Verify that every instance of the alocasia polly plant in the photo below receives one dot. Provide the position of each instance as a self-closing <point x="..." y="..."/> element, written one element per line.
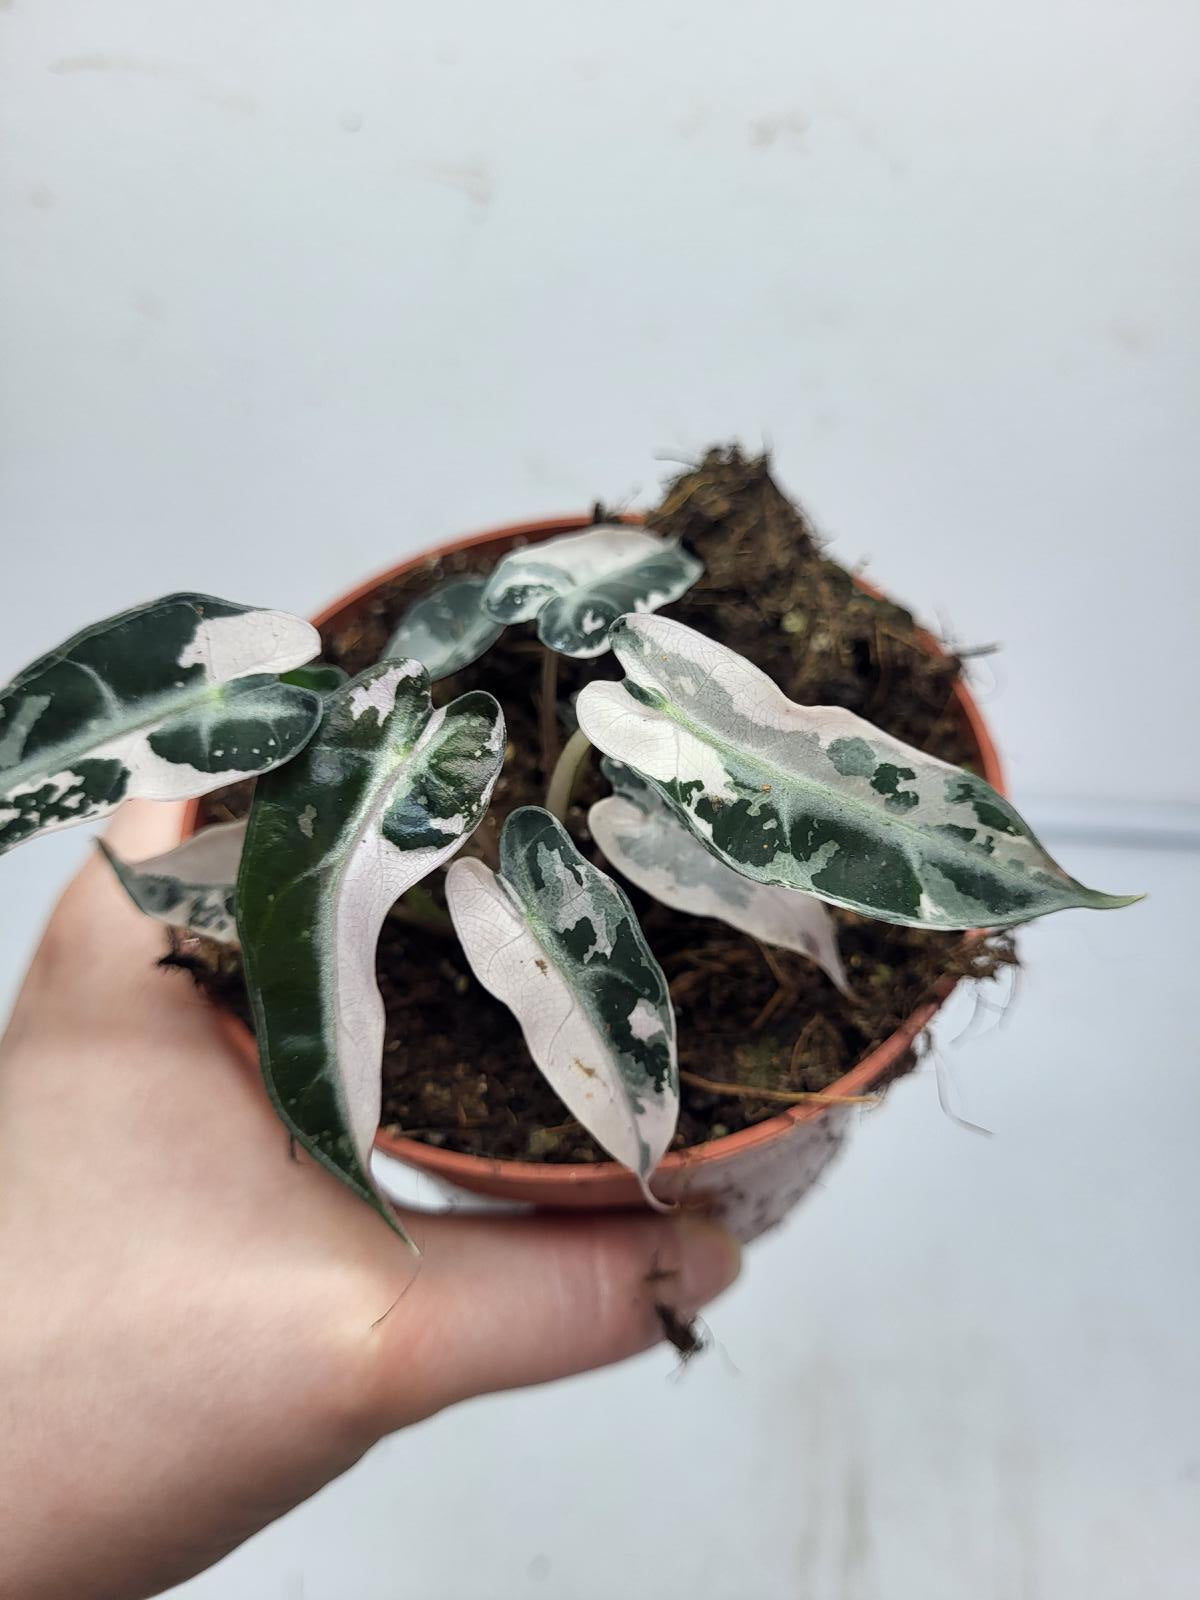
<point x="577" y="585"/>
<point x="729" y="802"/>
<point x="387" y="790"/>
<point x="559" y="943"/>
<point x="171" y="699"/>
<point x="812" y="797"/>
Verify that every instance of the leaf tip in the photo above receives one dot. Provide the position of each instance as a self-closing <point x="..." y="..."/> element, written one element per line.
<point x="391" y="1217"/>
<point x="1112" y="902"/>
<point x="120" y="868"/>
<point x="664" y="1207"/>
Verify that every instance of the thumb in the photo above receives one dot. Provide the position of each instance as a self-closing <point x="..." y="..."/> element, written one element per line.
<point x="501" y="1303"/>
<point x="94" y="913"/>
<point x="98" y="948"/>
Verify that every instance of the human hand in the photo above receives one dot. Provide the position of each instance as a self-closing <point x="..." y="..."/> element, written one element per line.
<point x="199" y="1332"/>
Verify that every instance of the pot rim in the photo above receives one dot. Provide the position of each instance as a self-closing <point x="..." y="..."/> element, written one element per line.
<point x="456" y="1166"/>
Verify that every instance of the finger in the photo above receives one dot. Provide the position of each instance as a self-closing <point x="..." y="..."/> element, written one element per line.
<point x="143" y="828"/>
<point x="97" y="942"/>
<point x="500" y="1303"/>
<point x="94" y="899"/>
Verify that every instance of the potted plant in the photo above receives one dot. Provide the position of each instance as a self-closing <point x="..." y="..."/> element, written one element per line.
<point x="407" y="871"/>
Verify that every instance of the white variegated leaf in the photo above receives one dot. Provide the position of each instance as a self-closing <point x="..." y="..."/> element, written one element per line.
<point x="645" y="840"/>
<point x="814" y="798"/>
<point x="577" y="584"/>
<point x="447" y="629"/>
<point x="164" y="702"/>
<point x="558" y="942"/>
<point x="191" y="886"/>
<point x="387" y="790"/>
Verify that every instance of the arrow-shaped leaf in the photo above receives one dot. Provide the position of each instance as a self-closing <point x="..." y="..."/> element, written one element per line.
<point x="388" y="789"/>
<point x="577" y="584"/>
<point x="191" y="886"/>
<point x="164" y="702"/>
<point x="558" y="942"/>
<point x="447" y="629"/>
<point x="645" y="840"/>
<point x="814" y="798"/>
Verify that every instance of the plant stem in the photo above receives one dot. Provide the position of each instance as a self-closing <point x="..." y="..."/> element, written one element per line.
<point x="562" y="780"/>
<point x="548" y="710"/>
<point x="783" y="1097"/>
<point x="419" y="909"/>
<point x="488" y="839"/>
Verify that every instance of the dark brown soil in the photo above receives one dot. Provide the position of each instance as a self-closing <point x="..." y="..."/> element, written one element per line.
<point x="455" y="1071"/>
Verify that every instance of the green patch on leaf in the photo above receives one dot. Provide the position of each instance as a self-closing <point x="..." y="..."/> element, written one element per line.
<point x="643" y="837"/>
<point x="319" y="676"/>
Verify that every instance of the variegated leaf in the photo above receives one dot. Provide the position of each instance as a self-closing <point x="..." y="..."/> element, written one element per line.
<point x="319" y="676"/>
<point x="558" y="942"/>
<point x="388" y="789"/>
<point x="447" y="629"/>
<point x="645" y="840"/>
<point x="814" y="798"/>
<point x="577" y="584"/>
<point x="191" y="886"/>
<point x="164" y="702"/>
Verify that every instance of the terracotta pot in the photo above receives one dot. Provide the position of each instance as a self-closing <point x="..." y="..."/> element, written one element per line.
<point x="752" y="1179"/>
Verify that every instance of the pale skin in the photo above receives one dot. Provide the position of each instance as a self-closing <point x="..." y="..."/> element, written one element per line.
<point x="199" y="1331"/>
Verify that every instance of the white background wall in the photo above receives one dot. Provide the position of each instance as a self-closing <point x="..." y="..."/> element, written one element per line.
<point x="288" y="291"/>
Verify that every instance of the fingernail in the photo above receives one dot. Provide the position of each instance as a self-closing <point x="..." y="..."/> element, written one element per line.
<point x="710" y="1258"/>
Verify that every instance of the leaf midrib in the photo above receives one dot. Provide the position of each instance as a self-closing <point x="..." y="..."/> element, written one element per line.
<point x="62" y="757"/>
